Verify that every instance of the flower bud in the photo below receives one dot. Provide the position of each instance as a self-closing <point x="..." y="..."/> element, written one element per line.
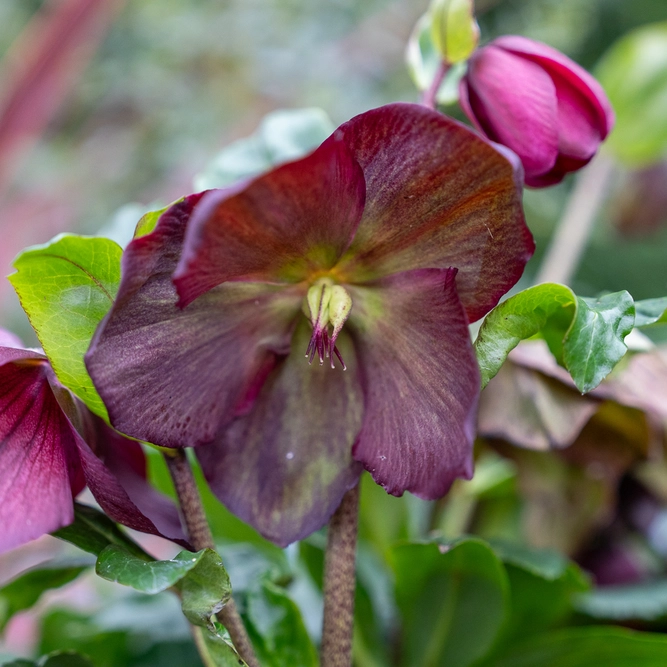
<point x="454" y="30"/>
<point x="536" y="101"/>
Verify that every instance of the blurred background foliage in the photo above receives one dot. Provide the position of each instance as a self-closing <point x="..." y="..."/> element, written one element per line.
<point x="172" y="82"/>
<point x="161" y="88"/>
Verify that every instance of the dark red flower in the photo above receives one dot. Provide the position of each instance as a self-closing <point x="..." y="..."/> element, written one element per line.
<point x="376" y="249"/>
<point x="45" y="461"/>
<point x="531" y="98"/>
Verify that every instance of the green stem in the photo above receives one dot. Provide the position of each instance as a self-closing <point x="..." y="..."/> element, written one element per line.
<point x="339" y="582"/>
<point x="199" y="534"/>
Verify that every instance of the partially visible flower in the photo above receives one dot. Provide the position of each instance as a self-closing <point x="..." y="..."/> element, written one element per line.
<point x="45" y="462"/>
<point x="374" y="252"/>
<point x="533" y="99"/>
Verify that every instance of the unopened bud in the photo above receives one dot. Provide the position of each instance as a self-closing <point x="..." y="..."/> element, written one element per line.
<point x="454" y="30"/>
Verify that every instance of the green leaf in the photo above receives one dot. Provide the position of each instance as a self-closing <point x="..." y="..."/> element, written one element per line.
<point x="586" y="335"/>
<point x="148" y="221"/>
<point x="651" y="311"/>
<point x="205" y="590"/>
<point x="66" y="287"/>
<point x="215" y="651"/>
<point x="634" y="74"/>
<point x="519" y="317"/>
<point x="423" y="60"/>
<point x="646" y="601"/>
<point x="453" y="599"/>
<point x="585" y="647"/>
<point x="454" y="30"/>
<point x="277" y="629"/>
<point x="593" y="344"/>
<point x="200" y="578"/>
<point x="93" y="531"/>
<point x="283" y="135"/>
<point x="23" y="591"/>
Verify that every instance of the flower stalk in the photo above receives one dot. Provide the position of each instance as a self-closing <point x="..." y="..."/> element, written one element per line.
<point x="200" y="536"/>
<point x="576" y="225"/>
<point x="339" y="583"/>
<point x="430" y="96"/>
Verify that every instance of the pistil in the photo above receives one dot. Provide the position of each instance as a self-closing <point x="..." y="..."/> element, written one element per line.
<point x="327" y="306"/>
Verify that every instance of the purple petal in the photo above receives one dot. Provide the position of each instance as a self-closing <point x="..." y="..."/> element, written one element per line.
<point x="173" y="377"/>
<point x="566" y="75"/>
<point x="296" y="219"/>
<point x="421" y="382"/>
<point x="38" y="455"/>
<point x="285" y="467"/>
<point x="513" y="101"/>
<point x="437" y="195"/>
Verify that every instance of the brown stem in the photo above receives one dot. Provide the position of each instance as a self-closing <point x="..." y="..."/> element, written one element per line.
<point x="429" y="98"/>
<point x="200" y="537"/>
<point x="575" y="226"/>
<point x="339" y="581"/>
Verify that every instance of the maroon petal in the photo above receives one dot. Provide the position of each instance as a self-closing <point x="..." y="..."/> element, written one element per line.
<point x="173" y="377"/>
<point x="437" y="195"/>
<point x="38" y="455"/>
<point x="294" y="220"/>
<point x="285" y="467"/>
<point x="513" y="101"/>
<point x="421" y="382"/>
<point x="126" y="461"/>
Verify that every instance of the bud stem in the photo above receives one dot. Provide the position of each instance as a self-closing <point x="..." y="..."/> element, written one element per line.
<point x="429" y="98"/>
<point x="199" y="534"/>
<point x="574" y="228"/>
<point x="339" y="583"/>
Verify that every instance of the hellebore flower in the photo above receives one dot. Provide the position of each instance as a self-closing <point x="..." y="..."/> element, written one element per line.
<point x="45" y="461"/>
<point x="373" y="251"/>
<point x="536" y="101"/>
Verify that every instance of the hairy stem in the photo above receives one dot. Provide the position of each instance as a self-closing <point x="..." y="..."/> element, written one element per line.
<point x="429" y="98"/>
<point x="339" y="581"/>
<point x="575" y="226"/>
<point x="199" y="534"/>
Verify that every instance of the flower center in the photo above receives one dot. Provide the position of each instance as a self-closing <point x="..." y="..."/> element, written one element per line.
<point x="327" y="306"/>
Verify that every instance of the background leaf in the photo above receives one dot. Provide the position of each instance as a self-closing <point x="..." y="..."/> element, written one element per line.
<point x="66" y="287"/>
<point x="441" y="591"/>
<point x="651" y="311"/>
<point x="634" y="74"/>
<point x="283" y="135"/>
<point x="277" y="629"/>
<point x="646" y="601"/>
<point x="584" y="647"/>
<point x="93" y="531"/>
<point x="24" y="590"/>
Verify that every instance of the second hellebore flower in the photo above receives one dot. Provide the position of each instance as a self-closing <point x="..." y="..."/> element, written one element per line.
<point x="45" y="461"/>
<point x="373" y="252"/>
<point x="531" y="98"/>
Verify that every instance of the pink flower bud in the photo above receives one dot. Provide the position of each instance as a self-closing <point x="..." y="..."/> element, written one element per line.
<point x="536" y="101"/>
